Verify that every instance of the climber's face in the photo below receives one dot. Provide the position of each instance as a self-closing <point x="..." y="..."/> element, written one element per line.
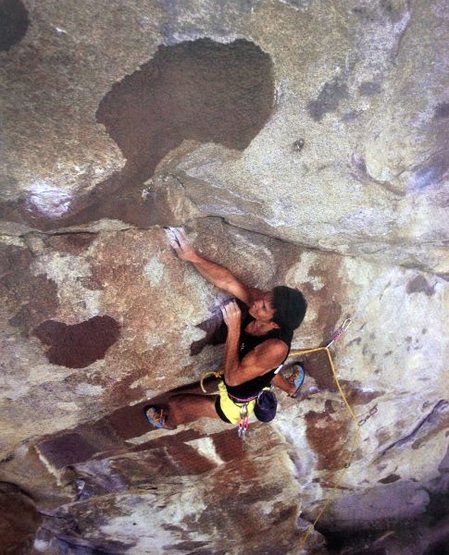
<point x="262" y="308"/>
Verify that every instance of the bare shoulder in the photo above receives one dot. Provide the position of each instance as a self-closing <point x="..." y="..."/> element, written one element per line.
<point x="264" y="357"/>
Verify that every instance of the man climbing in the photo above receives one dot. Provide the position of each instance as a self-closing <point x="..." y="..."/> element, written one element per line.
<point x="257" y="343"/>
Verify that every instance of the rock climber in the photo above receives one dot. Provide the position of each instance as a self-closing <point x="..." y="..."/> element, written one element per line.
<point x="258" y="342"/>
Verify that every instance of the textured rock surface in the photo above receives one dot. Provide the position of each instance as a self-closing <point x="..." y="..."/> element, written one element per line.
<point x="302" y="142"/>
<point x="19" y="520"/>
<point x="370" y="180"/>
<point x="187" y="493"/>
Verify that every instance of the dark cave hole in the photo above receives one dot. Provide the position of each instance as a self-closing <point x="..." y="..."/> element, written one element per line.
<point x="13" y="23"/>
<point x="200" y="90"/>
<point x="78" y="345"/>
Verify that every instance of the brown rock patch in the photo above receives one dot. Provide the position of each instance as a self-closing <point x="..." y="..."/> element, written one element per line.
<point x="327" y="434"/>
<point x="317" y="366"/>
<point x="329" y="297"/>
<point x="216" y="332"/>
<point x="78" y="345"/>
<point x="30" y="298"/>
<point x="72" y="243"/>
<point x="442" y="110"/>
<point x="19" y="520"/>
<point x="355" y="393"/>
<point x="67" y="449"/>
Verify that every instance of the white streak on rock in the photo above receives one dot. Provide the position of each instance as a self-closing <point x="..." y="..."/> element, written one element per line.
<point x="89" y="389"/>
<point x="154" y="271"/>
<point x="68" y="271"/>
<point x="152" y="340"/>
<point x="41" y="546"/>
<point x="47" y="199"/>
<point x="300" y="272"/>
<point x="68" y="406"/>
<point x="206" y="447"/>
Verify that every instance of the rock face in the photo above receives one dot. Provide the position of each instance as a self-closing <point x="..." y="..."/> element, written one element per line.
<point x="300" y="142"/>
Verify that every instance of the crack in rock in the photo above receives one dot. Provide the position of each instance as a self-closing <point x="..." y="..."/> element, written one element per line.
<point x="431" y="420"/>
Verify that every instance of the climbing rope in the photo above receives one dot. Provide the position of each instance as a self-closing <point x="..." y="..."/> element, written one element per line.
<point x="217" y="374"/>
<point x="335" y="336"/>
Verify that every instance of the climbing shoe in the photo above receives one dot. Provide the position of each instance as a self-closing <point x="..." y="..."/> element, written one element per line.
<point x="297" y="378"/>
<point x="155" y="416"/>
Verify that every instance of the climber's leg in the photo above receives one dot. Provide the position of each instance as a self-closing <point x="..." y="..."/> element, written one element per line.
<point x="188" y="408"/>
<point x="181" y="409"/>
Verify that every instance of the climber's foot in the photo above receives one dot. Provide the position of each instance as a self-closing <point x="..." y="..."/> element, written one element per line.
<point x="297" y="378"/>
<point x="155" y="416"/>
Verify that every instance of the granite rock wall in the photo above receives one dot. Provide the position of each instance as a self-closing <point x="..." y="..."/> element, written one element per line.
<point x="299" y="142"/>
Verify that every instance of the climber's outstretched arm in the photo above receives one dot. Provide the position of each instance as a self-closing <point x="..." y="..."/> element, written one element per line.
<point x="216" y="274"/>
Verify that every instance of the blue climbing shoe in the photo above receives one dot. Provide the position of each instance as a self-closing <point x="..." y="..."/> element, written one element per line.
<point x="155" y="416"/>
<point x="297" y="378"/>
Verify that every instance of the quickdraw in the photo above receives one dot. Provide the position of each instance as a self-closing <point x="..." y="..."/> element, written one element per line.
<point x="339" y="332"/>
<point x="244" y="421"/>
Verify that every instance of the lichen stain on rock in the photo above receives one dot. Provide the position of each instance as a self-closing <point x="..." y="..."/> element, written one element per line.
<point x="419" y="284"/>
<point x="72" y="243"/>
<point x="327" y="435"/>
<point x="153" y="110"/>
<point x="13" y="23"/>
<point x="329" y="98"/>
<point x="442" y="110"/>
<point x="78" y="345"/>
<point x="35" y="295"/>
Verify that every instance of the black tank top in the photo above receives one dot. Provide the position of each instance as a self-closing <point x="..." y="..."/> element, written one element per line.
<point x="248" y="343"/>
